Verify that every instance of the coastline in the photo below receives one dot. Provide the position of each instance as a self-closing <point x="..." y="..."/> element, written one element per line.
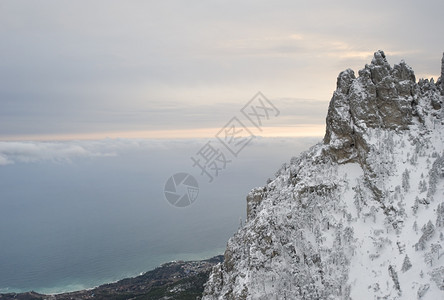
<point x="178" y="279"/>
<point x="69" y="285"/>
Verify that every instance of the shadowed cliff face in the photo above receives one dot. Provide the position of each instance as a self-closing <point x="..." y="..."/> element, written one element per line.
<point x="380" y="97"/>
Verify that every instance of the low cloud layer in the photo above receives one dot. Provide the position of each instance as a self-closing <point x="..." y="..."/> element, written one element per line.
<point x="26" y="152"/>
<point x="69" y="151"/>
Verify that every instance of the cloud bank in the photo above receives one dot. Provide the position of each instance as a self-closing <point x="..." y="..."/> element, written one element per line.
<point x="68" y="151"/>
<point x="27" y="152"/>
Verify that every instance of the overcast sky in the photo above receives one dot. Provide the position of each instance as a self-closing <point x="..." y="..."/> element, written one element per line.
<point x="121" y="68"/>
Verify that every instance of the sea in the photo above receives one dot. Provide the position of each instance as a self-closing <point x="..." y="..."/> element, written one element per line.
<point x="77" y="214"/>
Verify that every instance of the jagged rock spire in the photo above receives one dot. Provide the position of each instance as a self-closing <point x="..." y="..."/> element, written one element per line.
<point x="379" y="59"/>
<point x="381" y="97"/>
<point x="442" y="74"/>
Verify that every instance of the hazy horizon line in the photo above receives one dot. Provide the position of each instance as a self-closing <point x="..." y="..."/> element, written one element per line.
<point x="300" y="130"/>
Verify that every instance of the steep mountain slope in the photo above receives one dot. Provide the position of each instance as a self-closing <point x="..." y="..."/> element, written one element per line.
<point x="358" y="216"/>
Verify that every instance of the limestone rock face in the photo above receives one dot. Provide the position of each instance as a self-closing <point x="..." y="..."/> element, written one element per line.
<point x="442" y="75"/>
<point x="381" y="97"/>
<point x="254" y="198"/>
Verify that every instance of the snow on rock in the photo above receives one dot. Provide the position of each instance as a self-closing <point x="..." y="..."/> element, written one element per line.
<point x="442" y="75"/>
<point x="358" y="216"/>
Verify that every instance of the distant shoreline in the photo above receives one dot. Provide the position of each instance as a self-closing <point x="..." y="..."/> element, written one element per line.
<point x="181" y="279"/>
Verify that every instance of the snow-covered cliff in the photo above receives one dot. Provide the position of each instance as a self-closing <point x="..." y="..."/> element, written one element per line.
<point x="358" y="216"/>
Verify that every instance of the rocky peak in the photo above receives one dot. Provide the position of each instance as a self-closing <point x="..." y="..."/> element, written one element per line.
<point x="379" y="67"/>
<point x="380" y="97"/>
<point x="442" y="75"/>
